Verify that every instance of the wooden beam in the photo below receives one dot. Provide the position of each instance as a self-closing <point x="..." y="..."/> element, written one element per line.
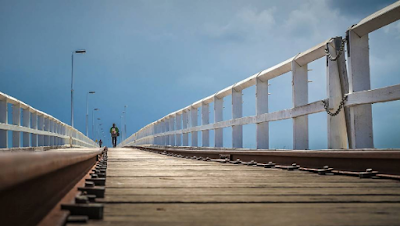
<point x="262" y="137"/>
<point x="300" y="97"/>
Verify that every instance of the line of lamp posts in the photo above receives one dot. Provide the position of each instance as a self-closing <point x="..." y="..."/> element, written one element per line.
<point x="99" y="133"/>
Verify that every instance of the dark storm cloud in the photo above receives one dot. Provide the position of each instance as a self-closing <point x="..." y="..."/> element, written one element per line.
<point x="359" y="8"/>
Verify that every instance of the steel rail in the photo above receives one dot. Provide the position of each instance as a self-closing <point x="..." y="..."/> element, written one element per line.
<point x="31" y="183"/>
<point x="384" y="161"/>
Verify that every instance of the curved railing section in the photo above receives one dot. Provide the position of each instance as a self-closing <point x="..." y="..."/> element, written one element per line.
<point x="347" y="88"/>
<point x="37" y="128"/>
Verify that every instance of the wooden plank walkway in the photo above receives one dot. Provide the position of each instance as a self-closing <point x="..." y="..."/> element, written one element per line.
<point x="145" y="188"/>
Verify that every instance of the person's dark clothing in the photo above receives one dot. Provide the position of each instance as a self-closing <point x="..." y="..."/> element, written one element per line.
<point x="114" y="134"/>
<point x="114" y="141"/>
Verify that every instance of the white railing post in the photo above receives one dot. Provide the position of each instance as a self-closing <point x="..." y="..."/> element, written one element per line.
<point x="205" y="119"/>
<point x="3" y="119"/>
<point x="359" y="80"/>
<point x="185" y="121"/>
<point x="193" y="120"/>
<point x="171" y="128"/>
<point x="262" y="137"/>
<point x="164" y="129"/>
<point x="41" y="127"/>
<point x="167" y="129"/>
<point x="26" y="122"/>
<point x="46" y="128"/>
<point x="52" y="130"/>
<point x="299" y="98"/>
<point x="178" y="126"/>
<point x="34" y="125"/>
<point x="16" y="118"/>
<point x="237" y="112"/>
<point x="337" y="134"/>
<point x="218" y="117"/>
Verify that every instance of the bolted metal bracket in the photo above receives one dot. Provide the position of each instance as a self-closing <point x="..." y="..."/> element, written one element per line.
<point x="91" y="210"/>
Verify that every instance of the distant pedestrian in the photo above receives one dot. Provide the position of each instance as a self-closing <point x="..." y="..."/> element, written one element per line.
<point x="114" y="134"/>
<point x="100" y="142"/>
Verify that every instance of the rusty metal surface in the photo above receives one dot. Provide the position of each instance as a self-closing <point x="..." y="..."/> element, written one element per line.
<point x="384" y="161"/>
<point x="16" y="168"/>
<point x="33" y="183"/>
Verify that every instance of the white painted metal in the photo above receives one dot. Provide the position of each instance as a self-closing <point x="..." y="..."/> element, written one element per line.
<point x="337" y="134"/>
<point x="178" y="126"/>
<point x="185" y="121"/>
<point x="300" y="98"/>
<point x="262" y="136"/>
<point x="237" y="112"/>
<point x="41" y="128"/>
<point x="205" y="119"/>
<point x="16" y="119"/>
<point x="171" y="128"/>
<point x="32" y="127"/>
<point x="359" y="80"/>
<point x="218" y="117"/>
<point x="358" y="94"/>
<point x="378" y="19"/>
<point x="26" y="122"/>
<point x="193" y="123"/>
<point x="3" y="119"/>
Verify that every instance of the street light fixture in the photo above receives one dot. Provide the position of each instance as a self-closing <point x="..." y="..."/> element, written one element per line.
<point x="82" y="51"/>
<point x="87" y="112"/>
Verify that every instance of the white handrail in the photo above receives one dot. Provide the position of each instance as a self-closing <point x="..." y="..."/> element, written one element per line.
<point x="342" y="131"/>
<point x="38" y="128"/>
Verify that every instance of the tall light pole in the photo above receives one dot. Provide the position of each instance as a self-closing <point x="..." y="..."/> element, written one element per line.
<point x="122" y="130"/>
<point x="96" y="109"/>
<point x="87" y="112"/>
<point x="72" y="83"/>
<point x="97" y="129"/>
<point x="125" y="122"/>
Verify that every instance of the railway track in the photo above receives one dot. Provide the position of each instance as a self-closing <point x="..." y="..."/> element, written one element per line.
<point x="51" y="187"/>
<point x="362" y="163"/>
<point x="68" y="185"/>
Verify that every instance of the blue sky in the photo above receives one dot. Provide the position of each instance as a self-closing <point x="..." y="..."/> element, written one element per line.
<point x="159" y="56"/>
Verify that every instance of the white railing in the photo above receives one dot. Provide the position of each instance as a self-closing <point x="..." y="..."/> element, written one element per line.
<point x="351" y="127"/>
<point x="38" y="128"/>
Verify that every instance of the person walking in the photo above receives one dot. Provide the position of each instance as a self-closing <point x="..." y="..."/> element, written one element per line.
<point x="114" y="134"/>
<point x="100" y="142"/>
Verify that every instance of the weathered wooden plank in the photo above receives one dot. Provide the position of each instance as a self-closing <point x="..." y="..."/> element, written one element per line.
<point x="145" y="188"/>
<point x="378" y="19"/>
<point x="250" y="214"/>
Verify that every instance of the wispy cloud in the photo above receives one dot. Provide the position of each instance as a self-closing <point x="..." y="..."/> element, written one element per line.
<point x="246" y="24"/>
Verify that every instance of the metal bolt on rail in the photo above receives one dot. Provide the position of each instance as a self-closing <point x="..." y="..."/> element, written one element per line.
<point x="326" y="170"/>
<point x="269" y="165"/>
<point x="97" y="181"/>
<point x="81" y="199"/>
<point x="89" y="184"/>
<point x="369" y="173"/>
<point x="236" y="162"/>
<point x="77" y="219"/>
<point x="91" y="210"/>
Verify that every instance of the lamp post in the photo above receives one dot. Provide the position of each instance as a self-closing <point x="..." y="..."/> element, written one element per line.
<point x="97" y="130"/>
<point x="124" y="122"/>
<point x="96" y="109"/>
<point x="72" y="83"/>
<point x="87" y="112"/>
<point x="122" y="130"/>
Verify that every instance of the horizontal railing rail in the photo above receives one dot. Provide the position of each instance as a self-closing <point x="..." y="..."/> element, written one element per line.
<point x="346" y="87"/>
<point x="38" y="128"/>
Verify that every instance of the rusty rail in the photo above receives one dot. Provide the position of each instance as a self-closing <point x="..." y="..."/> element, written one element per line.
<point x="356" y="160"/>
<point x="31" y="183"/>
